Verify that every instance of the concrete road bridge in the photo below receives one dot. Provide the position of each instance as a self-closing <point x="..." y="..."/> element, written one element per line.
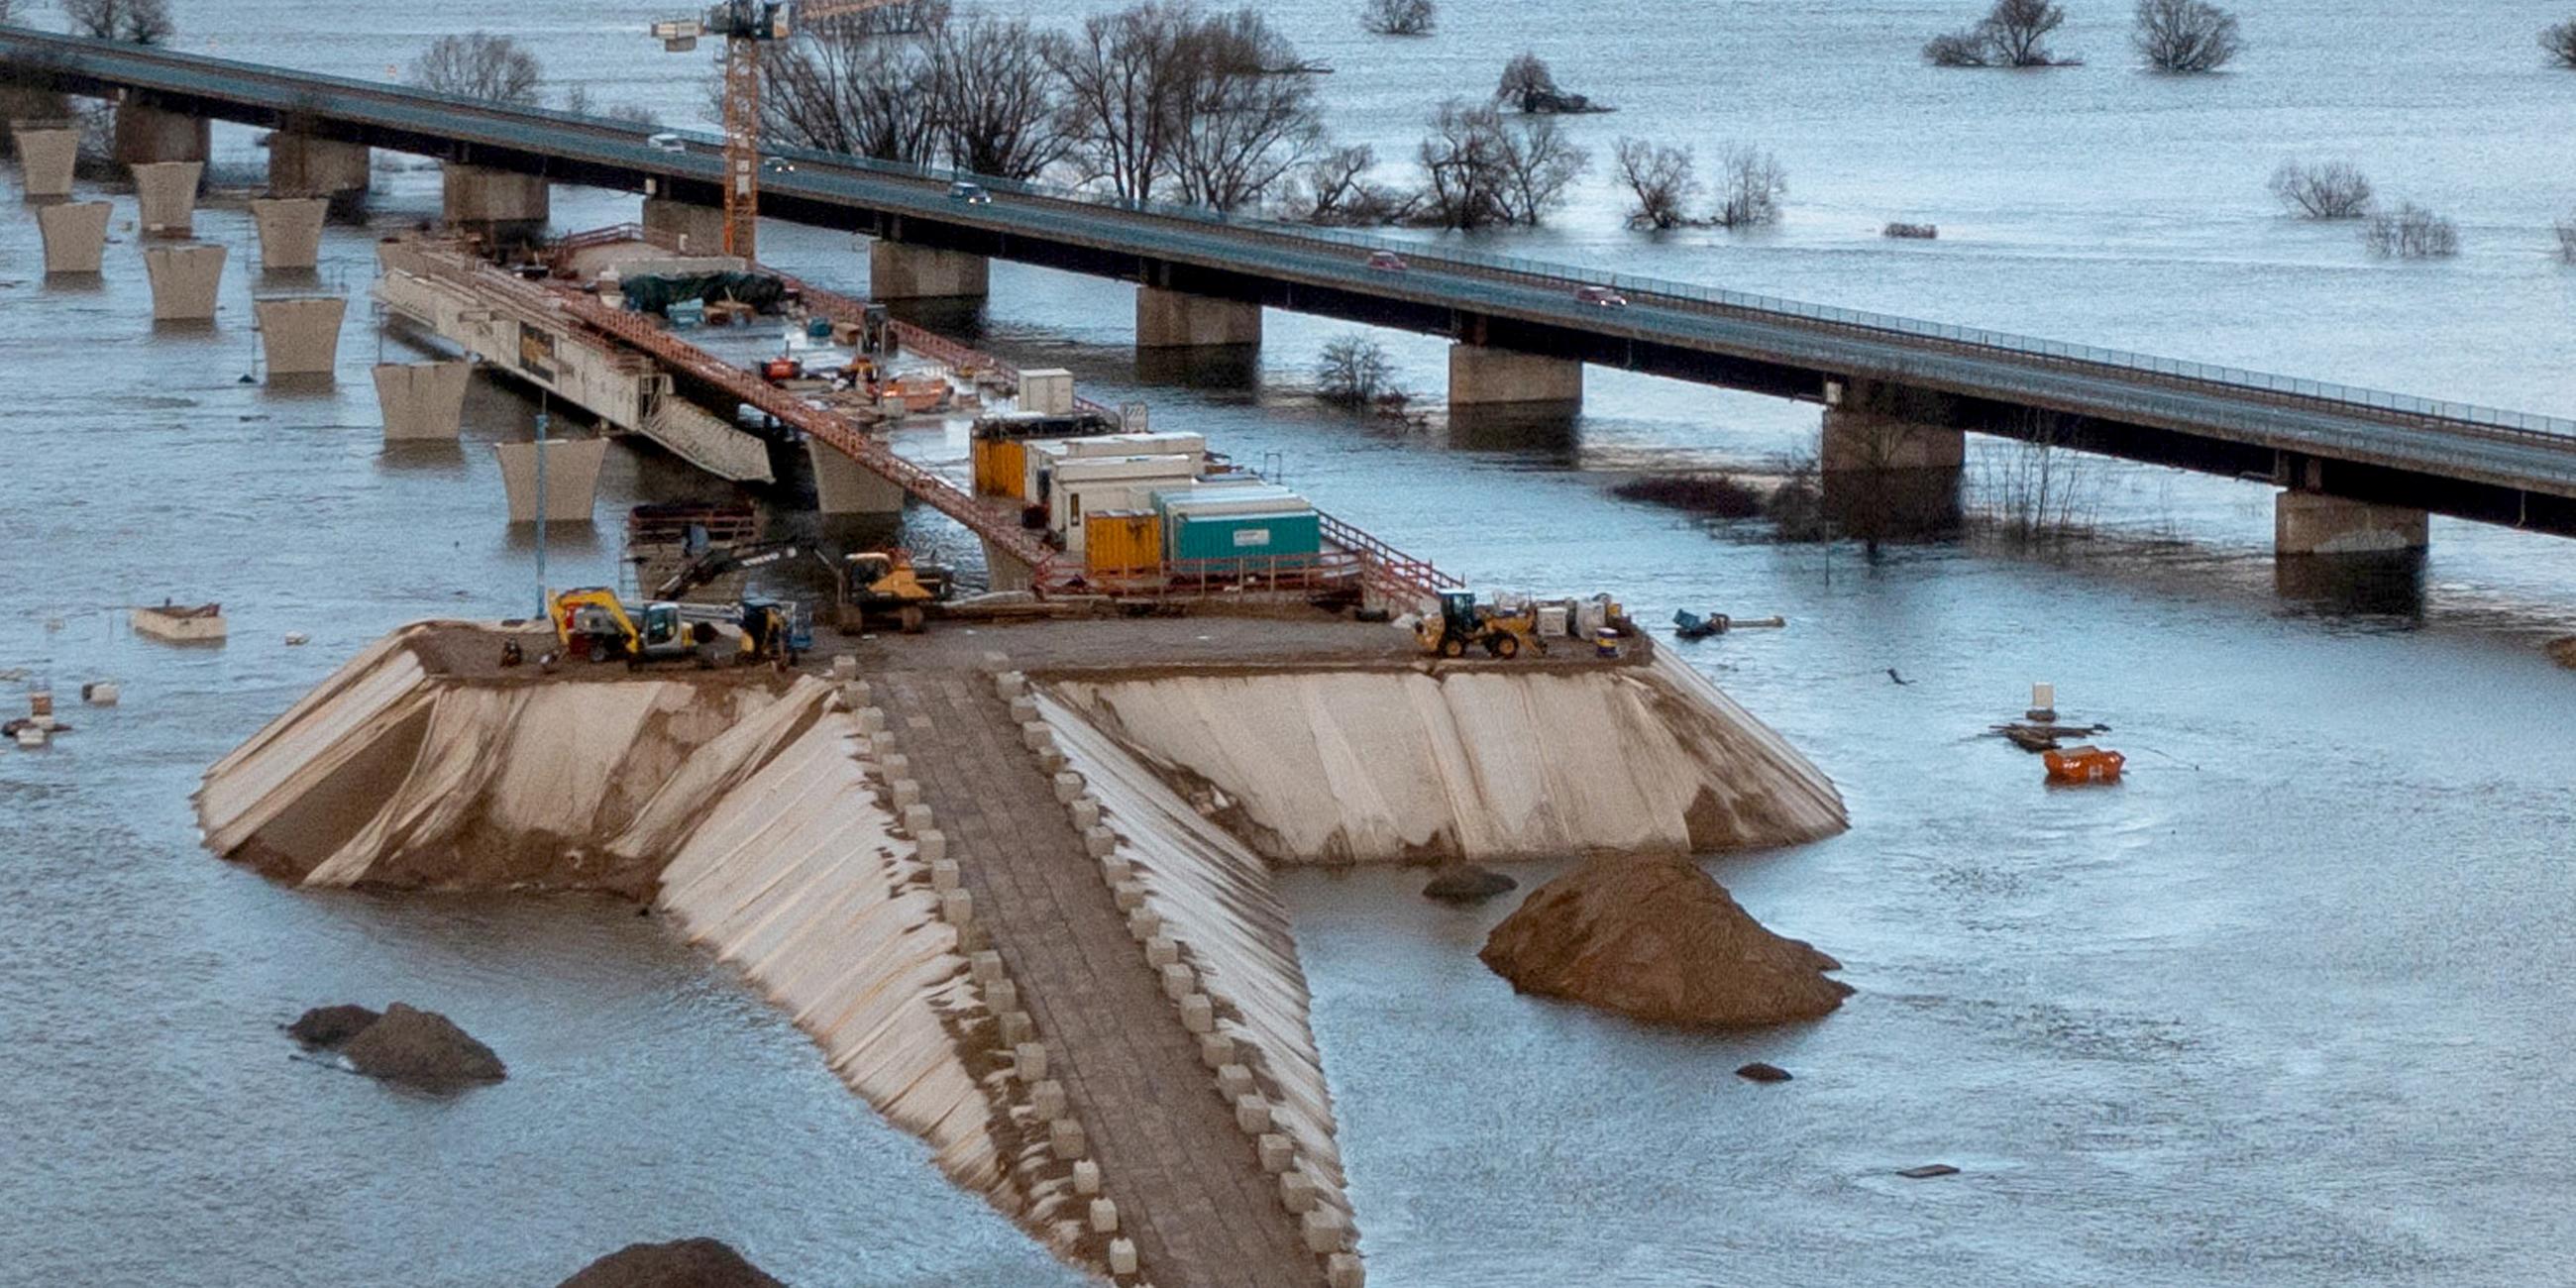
<point x="2359" y="469"/>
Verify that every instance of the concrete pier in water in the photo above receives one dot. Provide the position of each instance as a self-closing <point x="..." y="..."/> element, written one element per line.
<point x="300" y="334"/>
<point x="843" y="486"/>
<point x="290" y="230"/>
<point x="184" y="280"/>
<point x="501" y="206"/>
<point x="572" y="478"/>
<point x="75" y="235"/>
<point x="148" y="134"/>
<point x="422" y="401"/>
<point x="165" y="193"/>
<point x="328" y="170"/>
<point x="2310" y="523"/>
<point x="1175" y="320"/>
<point x="46" y="159"/>
<point x="1485" y="377"/>
<point x="900" y="272"/>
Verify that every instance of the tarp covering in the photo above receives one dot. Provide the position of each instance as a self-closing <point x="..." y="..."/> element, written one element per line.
<point x="656" y="294"/>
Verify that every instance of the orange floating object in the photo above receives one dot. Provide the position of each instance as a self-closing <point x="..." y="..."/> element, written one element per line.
<point x="2086" y="764"/>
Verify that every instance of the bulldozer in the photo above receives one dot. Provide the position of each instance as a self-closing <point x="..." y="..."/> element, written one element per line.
<point x="1462" y="623"/>
<point x="882" y="582"/>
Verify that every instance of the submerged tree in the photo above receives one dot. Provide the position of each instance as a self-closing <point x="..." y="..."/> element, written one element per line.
<point x="1749" y="187"/>
<point x="1400" y="17"/>
<point x="2566" y="229"/>
<point x="2322" y="189"/>
<point x="2411" y="232"/>
<point x="141" y="22"/>
<point x="995" y="99"/>
<point x="1217" y="105"/>
<point x="2012" y="34"/>
<point x="859" y="84"/>
<point x="479" y="65"/>
<point x="1662" y="181"/>
<point x="1334" y="188"/>
<point x="2560" y="41"/>
<point x="1353" y="371"/>
<point x="2185" y="35"/>
<point x="1480" y="171"/>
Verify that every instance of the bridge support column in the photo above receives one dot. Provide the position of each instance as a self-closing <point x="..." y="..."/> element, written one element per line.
<point x="150" y="135"/>
<point x="300" y="165"/>
<point x="184" y="280"/>
<point x="572" y="478"/>
<point x="843" y="486"/>
<point x="75" y="235"/>
<point x="1483" y="377"/>
<point x="2312" y="523"/>
<point x="1889" y="476"/>
<point x="1176" y="320"/>
<point x="45" y="161"/>
<point x="300" y="334"/>
<point x="500" y="206"/>
<point x="290" y="230"/>
<point x="1006" y="571"/>
<point x="167" y="193"/>
<point x="900" y="272"/>
<point x="423" y="401"/>
<point x="699" y="228"/>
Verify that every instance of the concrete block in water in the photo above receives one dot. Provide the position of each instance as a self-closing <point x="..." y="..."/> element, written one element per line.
<point x="1104" y="1216"/>
<point x="300" y="336"/>
<point x="1216" y="1050"/>
<point x="1198" y="1014"/>
<point x="1002" y="997"/>
<point x="1296" y="1192"/>
<point x="1046" y="1099"/>
<point x="1016" y="1027"/>
<point x="957" y="907"/>
<point x="1115" y="869"/>
<point x="1234" y="1082"/>
<point x="1161" y="951"/>
<point x="871" y="719"/>
<point x="75" y="236"/>
<point x="1024" y="710"/>
<point x="1029" y="1064"/>
<point x="423" y="401"/>
<point x="1068" y="785"/>
<point x="1099" y="842"/>
<point x="1326" y="1231"/>
<point x="1086" y="1178"/>
<point x="1179" y="981"/>
<point x="845" y="668"/>
<point x="1278" y="1153"/>
<point x="1122" y="1257"/>
<point x="916" y="818"/>
<point x="1344" y="1270"/>
<point x="1065" y="1139"/>
<point x="931" y="846"/>
<point x="167" y="193"/>
<point x="46" y="159"/>
<point x="1142" y="923"/>
<point x="1252" y="1115"/>
<point x="986" y="966"/>
<point x="184" y="279"/>
<point x="1129" y="896"/>
<point x="290" y="230"/>
<point x="905" y="791"/>
<point x="572" y="477"/>
<point x="944" y="875"/>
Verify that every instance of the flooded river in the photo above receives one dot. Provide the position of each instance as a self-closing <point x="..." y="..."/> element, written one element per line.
<point x="2287" y="1008"/>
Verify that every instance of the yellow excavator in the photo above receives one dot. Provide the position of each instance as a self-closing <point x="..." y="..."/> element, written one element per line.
<point x="592" y="622"/>
<point x="1462" y="622"/>
<point x="879" y="582"/>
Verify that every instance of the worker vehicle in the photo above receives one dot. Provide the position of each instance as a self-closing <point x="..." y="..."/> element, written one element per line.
<point x="972" y="194"/>
<point x="1462" y="623"/>
<point x="1387" y="261"/>
<point x="1602" y="297"/>
<point x="880" y="583"/>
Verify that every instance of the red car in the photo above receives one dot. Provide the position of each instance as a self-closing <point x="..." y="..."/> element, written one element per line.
<point x="1602" y="296"/>
<point x="1386" y="261"/>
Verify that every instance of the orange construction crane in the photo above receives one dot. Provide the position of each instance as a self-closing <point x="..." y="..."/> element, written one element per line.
<point x="746" y="25"/>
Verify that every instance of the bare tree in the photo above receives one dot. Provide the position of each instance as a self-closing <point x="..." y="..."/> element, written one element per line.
<point x="1400" y="17"/>
<point x="142" y="22"/>
<point x="2411" y="232"/>
<point x="996" y="97"/>
<point x="2038" y="490"/>
<point x="1334" y="188"/>
<point x="1526" y="83"/>
<point x="1243" y="110"/>
<point x="2560" y="41"/>
<point x="2322" y="189"/>
<point x="1480" y="171"/>
<point x="1749" y="187"/>
<point x="2012" y="34"/>
<point x="1661" y="179"/>
<point x="479" y="65"/>
<point x="2566" y="229"/>
<point x="1117" y="73"/>
<point x="2185" y="35"/>
<point x="1539" y="163"/>
<point x="858" y="84"/>
<point x="1353" y="371"/>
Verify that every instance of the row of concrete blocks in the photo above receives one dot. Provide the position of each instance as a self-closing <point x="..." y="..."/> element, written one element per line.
<point x="1326" y="1232"/>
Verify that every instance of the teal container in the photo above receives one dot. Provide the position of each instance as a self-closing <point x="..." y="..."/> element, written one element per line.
<point x="1243" y="536"/>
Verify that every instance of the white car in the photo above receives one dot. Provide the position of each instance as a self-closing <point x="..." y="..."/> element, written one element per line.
<point x="1602" y="297"/>
<point x="667" y="143"/>
<point x="972" y="194"/>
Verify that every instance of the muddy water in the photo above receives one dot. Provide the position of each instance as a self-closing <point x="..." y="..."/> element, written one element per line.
<point x="2286" y="1008"/>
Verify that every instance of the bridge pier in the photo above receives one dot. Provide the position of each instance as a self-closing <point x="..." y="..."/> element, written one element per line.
<point x="290" y="230"/>
<point x="75" y="235"/>
<point x="147" y="134"/>
<point x="184" y="280"/>
<point x="300" y="334"/>
<point x="1886" y="475"/>
<point x="501" y="206"/>
<point x="166" y="193"/>
<point x="423" y="400"/>
<point x="843" y="486"/>
<point x="2312" y="523"/>
<point x="1483" y="377"/>
<point x="46" y="158"/>
<point x="897" y="271"/>
<point x="1178" y="320"/>
<point x="1004" y="570"/>
<point x="700" y="229"/>
<point x="572" y="478"/>
<point x="301" y="165"/>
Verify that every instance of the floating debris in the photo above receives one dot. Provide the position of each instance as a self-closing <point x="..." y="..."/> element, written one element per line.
<point x="1928" y="1171"/>
<point x="2034" y="737"/>
<point x="1762" y="1071"/>
<point x="181" y="624"/>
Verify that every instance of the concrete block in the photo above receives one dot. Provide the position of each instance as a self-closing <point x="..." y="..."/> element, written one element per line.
<point x="1122" y="1257"/>
<point x="1128" y="895"/>
<point x="572" y="477"/>
<point x="857" y="692"/>
<point x="1003" y="997"/>
<point x="1068" y="785"/>
<point x="1011" y="684"/>
<point x="1024" y="710"/>
<point x="1142" y="923"/>
<point x="1252" y="1114"/>
<point x="996" y="661"/>
<point x="931" y="845"/>
<point x="1161" y="951"/>
<point x="1015" y="1027"/>
<point x="845" y="668"/>
<point x="699" y="230"/>
<point x="916" y="819"/>
<point x="1086" y="1178"/>
<point x="1086" y="815"/>
<point x="1035" y="735"/>
<point x="1234" y="1082"/>
<point x="1344" y="1270"/>
<point x="905" y="791"/>
<point x="1115" y="869"/>
<point x="424" y="401"/>
<point x="944" y="875"/>
<point x="1326" y="1231"/>
<point x="1104" y="1216"/>
<point x="1296" y="1192"/>
<point x="299" y="335"/>
<point x="880" y="746"/>
<point x="1099" y="842"/>
<point x="1046" y="1099"/>
<point x="1050" y="760"/>
<point x="166" y="192"/>
<point x="986" y="966"/>
<point x="871" y="719"/>
<point x="1068" y="1235"/>
<point x="46" y="159"/>
<point x="1278" y="1153"/>
<point x="1216" y="1050"/>
<point x="957" y="907"/>
<point x="1029" y="1064"/>
<point x="290" y="230"/>
<point x="1198" y="1014"/>
<point x="1179" y="981"/>
<point x="75" y="235"/>
<point x="1065" y="1139"/>
<point x="184" y="280"/>
<point x="895" y="765"/>
<point x="499" y="204"/>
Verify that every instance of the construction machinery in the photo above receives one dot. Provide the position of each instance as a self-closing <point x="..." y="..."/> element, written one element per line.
<point x="745" y="26"/>
<point x="882" y="582"/>
<point x="719" y="561"/>
<point x="1462" y="623"/>
<point x="592" y="622"/>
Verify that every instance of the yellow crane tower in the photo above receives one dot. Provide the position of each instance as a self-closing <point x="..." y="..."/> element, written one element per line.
<point x="746" y="25"/>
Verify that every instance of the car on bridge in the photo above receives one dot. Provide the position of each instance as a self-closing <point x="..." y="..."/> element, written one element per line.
<point x="1387" y="261"/>
<point x="972" y="194"/>
<point x="1602" y="297"/>
<point x="778" y="165"/>
<point x="666" y="143"/>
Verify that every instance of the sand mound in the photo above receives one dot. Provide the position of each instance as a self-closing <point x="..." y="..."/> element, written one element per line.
<point x="422" y="1049"/>
<point x="1662" y="941"/>
<point x="683" y="1263"/>
<point x="330" y="1026"/>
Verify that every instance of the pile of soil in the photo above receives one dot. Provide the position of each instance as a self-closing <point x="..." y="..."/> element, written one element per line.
<point x="1659" y="940"/>
<point x="405" y="1044"/>
<point x="1711" y="494"/>
<point x="682" y="1263"/>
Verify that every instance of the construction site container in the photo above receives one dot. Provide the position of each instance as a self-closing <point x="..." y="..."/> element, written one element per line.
<point x="1204" y="498"/>
<point x="1165" y="444"/>
<point x="1001" y="466"/>
<point x="1123" y="542"/>
<point x="1038" y="459"/>
<point x="1074" y="488"/>
<point x="1048" y="391"/>
<point x="1290" y="534"/>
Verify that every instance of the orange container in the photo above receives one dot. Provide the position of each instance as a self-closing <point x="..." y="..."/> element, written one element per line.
<point x="2087" y="764"/>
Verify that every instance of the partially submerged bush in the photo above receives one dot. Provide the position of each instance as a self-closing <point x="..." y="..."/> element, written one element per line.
<point x="2012" y="34"/>
<point x="2322" y="189"/>
<point x="1749" y="187"/>
<point x="2560" y="41"/>
<point x="1353" y="371"/>
<point x="1717" y="495"/>
<point x="2185" y="35"/>
<point x="1916" y="232"/>
<point x="2411" y="232"/>
<point x="1400" y="17"/>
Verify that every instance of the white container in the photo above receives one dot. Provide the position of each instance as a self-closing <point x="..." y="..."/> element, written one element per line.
<point x="1555" y="619"/>
<point x="1047" y="391"/>
<point x="1176" y="443"/>
<point x="2043" y="696"/>
<point x="1268" y="498"/>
